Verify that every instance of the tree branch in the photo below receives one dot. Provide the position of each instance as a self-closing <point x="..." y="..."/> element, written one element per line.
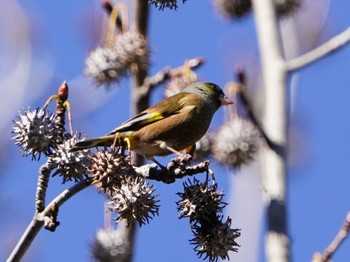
<point x="43" y="181"/>
<point x="275" y="126"/>
<point x="338" y="240"/>
<point x="176" y="169"/>
<point x="39" y="220"/>
<point x="320" y="52"/>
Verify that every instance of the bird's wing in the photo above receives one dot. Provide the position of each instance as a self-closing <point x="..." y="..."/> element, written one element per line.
<point x="168" y="107"/>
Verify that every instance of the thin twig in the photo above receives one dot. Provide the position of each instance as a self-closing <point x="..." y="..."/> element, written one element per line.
<point x="338" y="240"/>
<point x="39" y="218"/>
<point x="243" y="94"/>
<point x="327" y="48"/>
<point x="109" y="9"/>
<point x="48" y="101"/>
<point x="69" y="117"/>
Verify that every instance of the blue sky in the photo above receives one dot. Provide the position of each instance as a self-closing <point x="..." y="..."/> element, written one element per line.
<point x="63" y="32"/>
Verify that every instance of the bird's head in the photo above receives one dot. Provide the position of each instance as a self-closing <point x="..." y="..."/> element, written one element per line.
<point x="211" y="92"/>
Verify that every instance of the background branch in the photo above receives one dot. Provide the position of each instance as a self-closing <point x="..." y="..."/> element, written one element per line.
<point x="325" y="49"/>
<point x="243" y="95"/>
<point x="338" y="240"/>
<point x="275" y="127"/>
<point x="109" y="9"/>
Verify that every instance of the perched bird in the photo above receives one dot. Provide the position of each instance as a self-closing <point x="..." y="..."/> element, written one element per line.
<point x="172" y="125"/>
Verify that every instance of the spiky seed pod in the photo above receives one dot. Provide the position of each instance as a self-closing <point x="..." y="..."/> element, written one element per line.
<point x="178" y="83"/>
<point x="108" y="246"/>
<point x="71" y="165"/>
<point x="107" y="170"/>
<point x="134" y="200"/>
<point x="199" y="201"/>
<point x="105" y="66"/>
<point x="236" y="143"/>
<point x="231" y="9"/>
<point x="203" y="147"/>
<point x="36" y="132"/>
<point x="132" y="49"/>
<point x="161" y="4"/>
<point x="215" y="239"/>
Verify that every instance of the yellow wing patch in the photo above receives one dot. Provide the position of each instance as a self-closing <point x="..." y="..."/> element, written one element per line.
<point x="152" y="117"/>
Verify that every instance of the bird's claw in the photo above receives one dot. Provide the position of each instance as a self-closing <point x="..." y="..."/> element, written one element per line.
<point x="178" y="165"/>
<point x="183" y="160"/>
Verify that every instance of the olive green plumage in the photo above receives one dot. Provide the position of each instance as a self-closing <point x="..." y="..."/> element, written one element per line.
<point x="177" y="122"/>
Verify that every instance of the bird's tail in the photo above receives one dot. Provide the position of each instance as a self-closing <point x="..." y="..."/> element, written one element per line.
<point x="93" y="142"/>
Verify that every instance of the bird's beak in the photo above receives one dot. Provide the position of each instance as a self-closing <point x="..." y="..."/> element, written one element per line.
<point x="225" y="101"/>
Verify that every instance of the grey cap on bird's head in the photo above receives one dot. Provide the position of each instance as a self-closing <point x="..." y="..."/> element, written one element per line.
<point x="209" y="90"/>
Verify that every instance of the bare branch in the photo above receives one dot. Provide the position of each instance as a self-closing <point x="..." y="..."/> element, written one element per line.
<point x="337" y="241"/>
<point x="320" y="52"/>
<point x="39" y="220"/>
<point x="176" y="169"/>
<point x="43" y="180"/>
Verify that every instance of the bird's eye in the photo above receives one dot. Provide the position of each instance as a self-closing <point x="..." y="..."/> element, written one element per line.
<point x="201" y="89"/>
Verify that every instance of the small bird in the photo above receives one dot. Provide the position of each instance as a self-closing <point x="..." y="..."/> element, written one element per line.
<point x="172" y="125"/>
